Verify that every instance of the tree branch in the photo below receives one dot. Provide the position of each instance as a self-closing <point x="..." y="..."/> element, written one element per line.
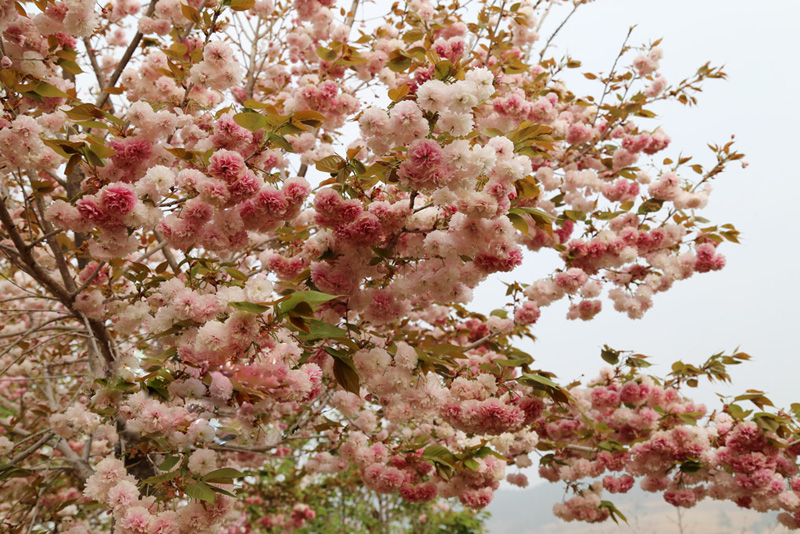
<point x="30" y="450"/>
<point x="80" y="467"/>
<point x="126" y="57"/>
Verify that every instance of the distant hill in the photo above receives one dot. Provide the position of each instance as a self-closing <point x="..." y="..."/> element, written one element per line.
<point x="530" y="511"/>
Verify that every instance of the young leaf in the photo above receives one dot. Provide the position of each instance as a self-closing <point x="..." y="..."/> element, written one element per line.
<point x="242" y="5"/>
<point x="250" y="307"/>
<point x="170" y="462"/>
<point x="311" y="297"/>
<point x="222" y="475"/>
<point x="250" y="120"/>
<point x="191" y="13"/>
<point x="200" y="491"/>
<point x="331" y="164"/>
<point x="45" y="89"/>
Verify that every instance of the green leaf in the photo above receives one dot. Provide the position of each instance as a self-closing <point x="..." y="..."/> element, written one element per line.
<point x="614" y="511"/>
<point x="537" y="379"/>
<point x="169" y="463"/>
<point x="690" y="466"/>
<point x="100" y="150"/>
<point x="191" y="13"/>
<point x="157" y="385"/>
<point x="439" y="454"/>
<point x="575" y="215"/>
<point x="450" y="350"/>
<point x="414" y="35"/>
<point x="303" y="309"/>
<point x="610" y="355"/>
<point x="534" y="212"/>
<point x="399" y="63"/>
<point x="688" y="418"/>
<point x="542" y="383"/>
<point x="469" y="463"/>
<point x="331" y="164"/>
<point x="484" y="451"/>
<point x="607" y="215"/>
<point x="250" y="307"/>
<point x="338" y="354"/>
<point x="326" y="54"/>
<point x="346" y="376"/>
<point x="358" y="167"/>
<point x="222" y="491"/>
<point x="650" y="206"/>
<point x="519" y="223"/>
<point x="221" y="475"/>
<point x="323" y="330"/>
<point x="637" y="361"/>
<point x="69" y="66"/>
<point x="45" y="89"/>
<point x="280" y="142"/>
<point x="516" y="362"/>
<point x="308" y="117"/>
<point x="163" y="477"/>
<point x="610" y="445"/>
<point x="92" y="158"/>
<point x="311" y="297"/>
<point x="13" y="472"/>
<point x="237" y="274"/>
<point x="255" y="104"/>
<point x="200" y="491"/>
<point x="250" y="120"/>
<point x="756" y="397"/>
<point x="443" y="69"/>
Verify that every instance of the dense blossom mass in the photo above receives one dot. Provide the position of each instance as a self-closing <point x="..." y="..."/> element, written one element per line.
<point x="239" y="240"/>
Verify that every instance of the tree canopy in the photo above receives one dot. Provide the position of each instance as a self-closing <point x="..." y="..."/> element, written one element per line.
<point x="238" y="240"/>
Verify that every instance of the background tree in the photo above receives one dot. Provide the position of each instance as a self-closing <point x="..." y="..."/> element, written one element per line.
<point x="199" y="339"/>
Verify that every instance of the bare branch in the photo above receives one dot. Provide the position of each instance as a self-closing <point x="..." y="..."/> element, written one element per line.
<point x="30" y="450"/>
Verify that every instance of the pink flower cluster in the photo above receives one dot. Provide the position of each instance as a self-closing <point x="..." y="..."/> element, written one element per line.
<point x="326" y="98"/>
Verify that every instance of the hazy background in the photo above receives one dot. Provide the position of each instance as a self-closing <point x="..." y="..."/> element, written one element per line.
<point x="752" y="303"/>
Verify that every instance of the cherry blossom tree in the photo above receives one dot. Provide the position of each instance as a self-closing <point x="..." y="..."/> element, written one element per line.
<point x="238" y="241"/>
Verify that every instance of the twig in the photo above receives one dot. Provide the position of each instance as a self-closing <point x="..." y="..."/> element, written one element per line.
<point x="89" y="280"/>
<point x="96" y="68"/>
<point x="30" y="450"/>
<point x="33" y="268"/>
<point x="494" y="33"/>
<point x="547" y="45"/>
<point x="168" y="253"/>
<point x="80" y="467"/>
<point x="55" y="246"/>
<point x="46" y="236"/>
<point x="22" y="337"/>
<point x="479" y="342"/>
<point x="126" y="57"/>
<point x="150" y="252"/>
<point x="611" y="74"/>
<point x="351" y="15"/>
